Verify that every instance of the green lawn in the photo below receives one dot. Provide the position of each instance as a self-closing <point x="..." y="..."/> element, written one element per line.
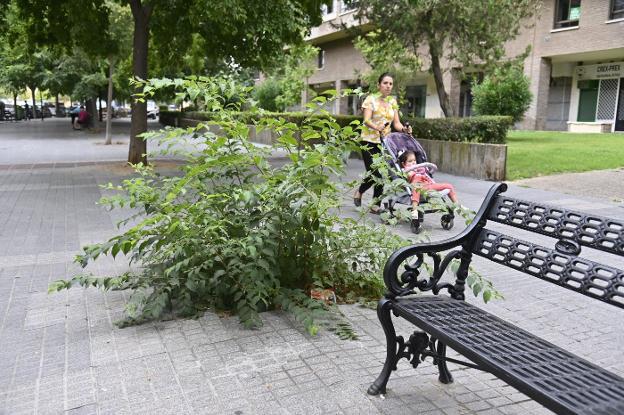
<point x="541" y="153"/>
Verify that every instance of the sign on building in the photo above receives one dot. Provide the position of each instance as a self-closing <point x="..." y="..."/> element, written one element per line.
<point x="601" y="71"/>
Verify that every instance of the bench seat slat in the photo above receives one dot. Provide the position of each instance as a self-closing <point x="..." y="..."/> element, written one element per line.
<point x="559" y="380"/>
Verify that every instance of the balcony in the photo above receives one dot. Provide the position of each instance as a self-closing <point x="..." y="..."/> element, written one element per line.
<point x="331" y="29"/>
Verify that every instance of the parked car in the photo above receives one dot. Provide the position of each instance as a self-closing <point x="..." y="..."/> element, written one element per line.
<point x="152" y="110"/>
<point x="51" y="107"/>
<point x="61" y="111"/>
<point x="46" y="112"/>
<point x="9" y="111"/>
<point x="122" y="112"/>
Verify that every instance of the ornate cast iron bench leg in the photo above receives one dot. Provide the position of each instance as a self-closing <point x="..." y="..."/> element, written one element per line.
<point x="384" y="308"/>
<point x="439" y="348"/>
<point x="413" y="350"/>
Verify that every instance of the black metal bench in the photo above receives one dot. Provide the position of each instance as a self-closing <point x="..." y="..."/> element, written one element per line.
<point x="557" y="379"/>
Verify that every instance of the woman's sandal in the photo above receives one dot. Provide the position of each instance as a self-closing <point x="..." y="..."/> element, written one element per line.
<point x="357" y="201"/>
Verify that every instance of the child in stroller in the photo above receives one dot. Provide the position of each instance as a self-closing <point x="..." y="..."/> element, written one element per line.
<point x="397" y="145"/>
<point x="418" y="177"/>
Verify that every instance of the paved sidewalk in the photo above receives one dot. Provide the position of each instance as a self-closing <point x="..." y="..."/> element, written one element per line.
<point x="54" y="141"/>
<point x="61" y="353"/>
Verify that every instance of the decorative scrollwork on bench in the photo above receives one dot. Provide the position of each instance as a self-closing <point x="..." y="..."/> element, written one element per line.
<point x="412" y="280"/>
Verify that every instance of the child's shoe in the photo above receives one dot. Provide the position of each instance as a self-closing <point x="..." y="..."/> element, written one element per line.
<point x="415" y="221"/>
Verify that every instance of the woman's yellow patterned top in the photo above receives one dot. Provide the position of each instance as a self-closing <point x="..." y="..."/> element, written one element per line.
<point x="383" y="112"/>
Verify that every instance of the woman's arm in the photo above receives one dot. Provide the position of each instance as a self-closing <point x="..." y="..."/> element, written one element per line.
<point x="398" y="126"/>
<point x="368" y="115"/>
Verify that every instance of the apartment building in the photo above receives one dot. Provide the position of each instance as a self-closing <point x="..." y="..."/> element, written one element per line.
<point x="576" y="67"/>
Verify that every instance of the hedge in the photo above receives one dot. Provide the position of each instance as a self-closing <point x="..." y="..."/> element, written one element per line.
<point x="482" y="129"/>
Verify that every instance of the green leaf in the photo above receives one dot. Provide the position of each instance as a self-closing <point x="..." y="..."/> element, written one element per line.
<point x="487" y="295"/>
<point x="115" y="250"/>
<point x="476" y="289"/>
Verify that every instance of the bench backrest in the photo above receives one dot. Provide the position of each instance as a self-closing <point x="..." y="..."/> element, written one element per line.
<point x="561" y="265"/>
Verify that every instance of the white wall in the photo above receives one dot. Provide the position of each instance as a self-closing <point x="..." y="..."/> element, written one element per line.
<point x="432" y="109"/>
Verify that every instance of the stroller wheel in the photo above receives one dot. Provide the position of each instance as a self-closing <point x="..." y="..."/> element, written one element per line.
<point x="447" y="221"/>
<point x="388" y="212"/>
<point x="415" y="225"/>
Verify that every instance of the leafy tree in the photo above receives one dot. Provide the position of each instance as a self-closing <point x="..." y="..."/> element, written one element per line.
<point x="287" y="78"/>
<point x="11" y="78"/>
<point x="384" y="54"/>
<point x="21" y="65"/>
<point x="241" y="32"/>
<point x="12" y="67"/>
<point x="120" y="34"/>
<point x="266" y="94"/>
<point x="292" y="71"/>
<point x="503" y="92"/>
<point x="458" y="32"/>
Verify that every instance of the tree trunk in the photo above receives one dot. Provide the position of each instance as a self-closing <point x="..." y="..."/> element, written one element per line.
<point x="100" y="108"/>
<point x="141" y="15"/>
<point x="56" y="105"/>
<point x="15" y="106"/>
<point x="41" y="104"/>
<point x="109" y="102"/>
<point x="438" y="77"/>
<point x="91" y="108"/>
<point x="34" y="102"/>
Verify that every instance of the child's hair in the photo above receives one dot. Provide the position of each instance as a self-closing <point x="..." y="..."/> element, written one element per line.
<point x="403" y="157"/>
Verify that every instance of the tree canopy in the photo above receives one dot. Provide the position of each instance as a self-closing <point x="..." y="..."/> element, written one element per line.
<point x="229" y="32"/>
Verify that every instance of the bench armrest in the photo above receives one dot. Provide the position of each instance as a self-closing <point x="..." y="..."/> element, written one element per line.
<point x="408" y="281"/>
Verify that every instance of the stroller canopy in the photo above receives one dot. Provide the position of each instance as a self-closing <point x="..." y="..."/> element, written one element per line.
<point x="397" y="143"/>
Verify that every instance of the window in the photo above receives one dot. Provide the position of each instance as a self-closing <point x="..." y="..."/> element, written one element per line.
<point x="320" y="63"/>
<point x="348" y="5"/>
<point x="415" y="101"/>
<point x="567" y="13"/>
<point x="465" y="93"/>
<point x="617" y="9"/>
<point x="327" y="8"/>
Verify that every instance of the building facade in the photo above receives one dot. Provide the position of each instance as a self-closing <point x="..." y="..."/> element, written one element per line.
<point x="576" y="67"/>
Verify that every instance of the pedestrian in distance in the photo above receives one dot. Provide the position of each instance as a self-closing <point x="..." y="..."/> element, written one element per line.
<point x="26" y="111"/>
<point x="83" y="119"/>
<point x="74" y="110"/>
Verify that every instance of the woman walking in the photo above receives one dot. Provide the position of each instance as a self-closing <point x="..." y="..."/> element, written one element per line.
<point x="380" y="109"/>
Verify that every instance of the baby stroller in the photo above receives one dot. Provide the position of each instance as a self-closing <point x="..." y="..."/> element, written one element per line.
<point x="393" y="145"/>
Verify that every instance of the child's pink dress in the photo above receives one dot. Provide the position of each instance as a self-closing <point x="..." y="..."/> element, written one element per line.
<point x="419" y="179"/>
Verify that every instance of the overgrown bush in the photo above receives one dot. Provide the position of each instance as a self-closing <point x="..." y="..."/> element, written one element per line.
<point x="483" y="129"/>
<point x="234" y="232"/>
<point x="504" y="92"/>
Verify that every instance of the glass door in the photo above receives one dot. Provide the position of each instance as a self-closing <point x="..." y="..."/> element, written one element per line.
<point x="588" y="99"/>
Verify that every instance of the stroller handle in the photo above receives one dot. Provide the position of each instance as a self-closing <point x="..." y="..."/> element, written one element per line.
<point x="381" y="133"/>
